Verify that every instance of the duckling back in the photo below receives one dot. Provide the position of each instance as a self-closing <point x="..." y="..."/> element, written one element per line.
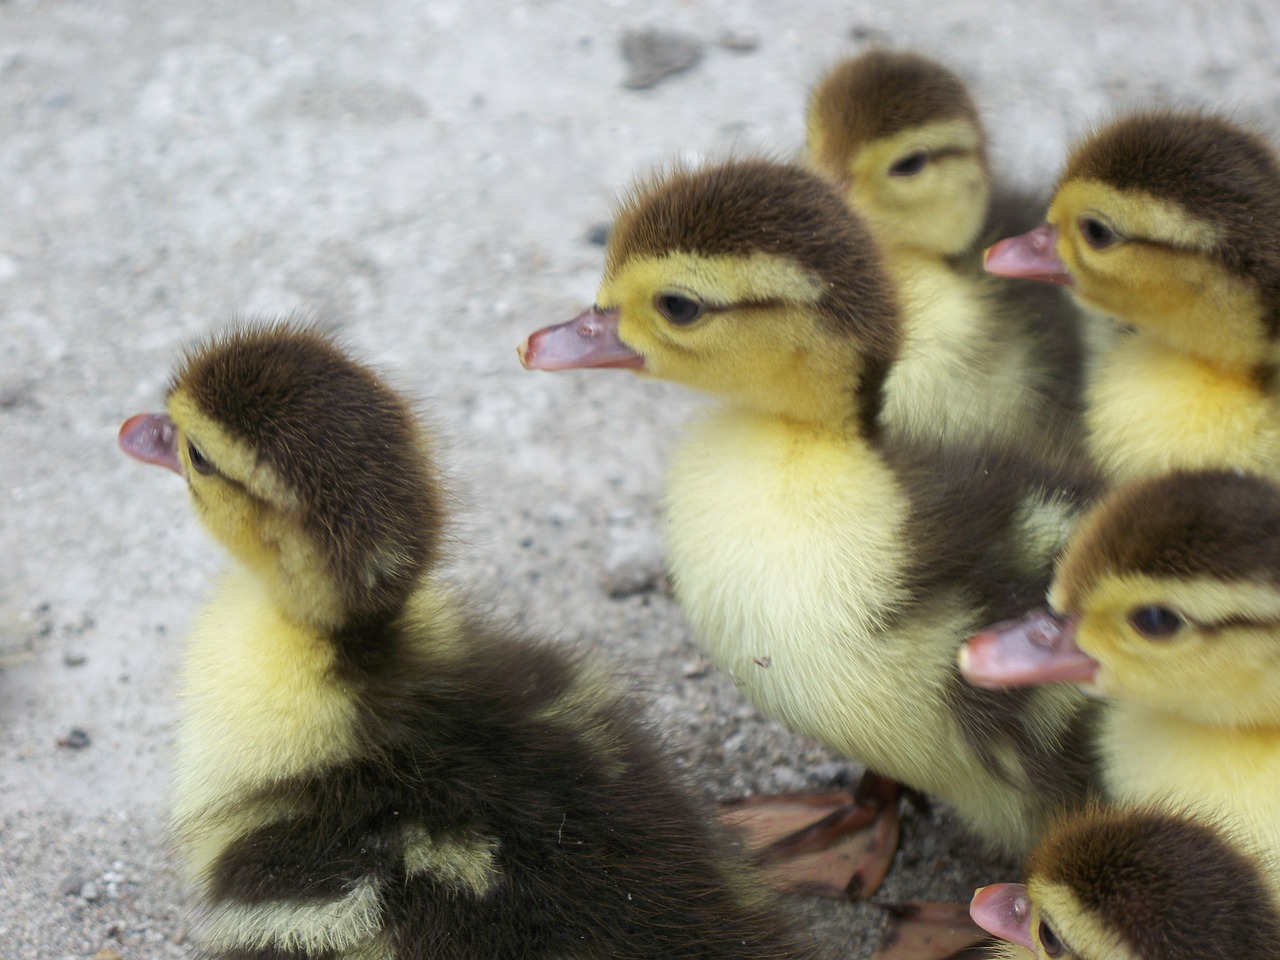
<point x="364" y="768"/>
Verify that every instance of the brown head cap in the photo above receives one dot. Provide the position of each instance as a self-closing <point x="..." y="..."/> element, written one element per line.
<point x="882" y="93"/>
<point x="1220" y="524"/>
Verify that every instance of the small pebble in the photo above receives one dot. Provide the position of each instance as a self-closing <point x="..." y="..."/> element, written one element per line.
<point x="89" y="891"/>
<point x="597" y="234"/>
<point x="76" y="739"/>
<point x="654" y="55"/>
<point x="695" y="670"/>
<point x="739" y="42"/>
<point x="73" y="659"/>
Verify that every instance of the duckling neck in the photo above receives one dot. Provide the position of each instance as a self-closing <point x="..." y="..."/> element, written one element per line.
<point x="1229" y="771"/>
<point x="1151" y="408"/>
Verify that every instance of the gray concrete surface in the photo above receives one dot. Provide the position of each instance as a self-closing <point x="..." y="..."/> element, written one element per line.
<point x="421" y="176"/>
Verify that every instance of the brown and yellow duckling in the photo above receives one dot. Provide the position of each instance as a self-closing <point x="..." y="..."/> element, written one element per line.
<point x="831" y="570"/>
<point x="901" y="137"/>
<point x="1167" y="603"/>
<point x="1170" y="224"/>
<point x="1135" y="884"/>
<point x="365" y="768"/>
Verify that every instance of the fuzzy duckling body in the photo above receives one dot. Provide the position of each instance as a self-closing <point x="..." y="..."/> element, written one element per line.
<point x="1135" y="884"/>
<point x="364" y="768"/>
<point x="901" y="137"/>
<point x="1169" y="597"/>
<point x="1170" y="224"/>
<point x="829" y="569"/>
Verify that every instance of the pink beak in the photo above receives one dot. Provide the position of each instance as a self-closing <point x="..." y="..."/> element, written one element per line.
<point x="151" y="438"/>
<point x="1032" y="256"/>
<point x="1004" y="909"/>
<point x="589" y="340"/>
<point x="1039" y="648"/>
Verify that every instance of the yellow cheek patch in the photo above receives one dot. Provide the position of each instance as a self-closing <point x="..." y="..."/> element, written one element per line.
<point x="1177" y="290"/>
<point x="940" y="209"/>
<point x="1082" y="933"/>
<point x="1202" y="599"/>
<point x="715" y="281"/>
<point x="772" y="358"/>
<point x="231" y="457"/>
<point x="1134" y="213"/>
<point x="1218" y="669"/>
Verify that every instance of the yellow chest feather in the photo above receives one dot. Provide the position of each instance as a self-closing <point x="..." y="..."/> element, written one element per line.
<point x="1232" y="774"/>
<point x="1150" y="410"/>
<point x="259" y="703"/>
<point x="962" y="372"/>
<point x="786" y="548"/>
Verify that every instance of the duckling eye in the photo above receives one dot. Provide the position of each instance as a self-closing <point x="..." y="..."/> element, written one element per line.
<point x="1096" y="233"/>
<point x="909" y="165"/>
<point x="198" y="459"/>
<point x="679" y="310"/>
<point x="1155" y="623"/>
<point x="1049" y="940"/>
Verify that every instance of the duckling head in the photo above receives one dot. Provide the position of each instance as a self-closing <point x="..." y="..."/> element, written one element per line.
<point x="749" y="280"/>
<point x="305" y="465"/>
<point x="1134" y="885"/>
<point x="902" y="138"/>
<point x="1168" y="596"/>
<point x="1170" y="223"/>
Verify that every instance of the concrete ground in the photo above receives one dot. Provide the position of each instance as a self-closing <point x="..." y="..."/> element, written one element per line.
<point x="424" y="177"/>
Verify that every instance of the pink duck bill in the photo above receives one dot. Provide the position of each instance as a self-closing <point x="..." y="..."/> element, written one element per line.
<point x="1039" y="647"/>
<point x="1004" y="909"/>
<point x="1031" y="256"/>
<point x="589" y="340"/>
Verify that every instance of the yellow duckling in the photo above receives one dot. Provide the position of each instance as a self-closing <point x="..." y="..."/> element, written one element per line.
<point x="1170" y="224"/>
<point x="367" y="770"/>
<point x="1134" y="884"/>
<point x="901" y="137"/>
<point x="1168" y="605"/>
<point x="832" y="572"/>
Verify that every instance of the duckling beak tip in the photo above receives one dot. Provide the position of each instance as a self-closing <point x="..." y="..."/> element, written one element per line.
<point x="151" y="438"/>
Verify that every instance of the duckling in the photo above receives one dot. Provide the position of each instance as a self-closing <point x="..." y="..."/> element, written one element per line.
<point x="1135" y="884"/>
<point x="1167" y="603"/>
<point x="365" y="768"/>
<point x="830" y="569"/>
<point x="901" y="137"/>
<point x="1170" y="224"/>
